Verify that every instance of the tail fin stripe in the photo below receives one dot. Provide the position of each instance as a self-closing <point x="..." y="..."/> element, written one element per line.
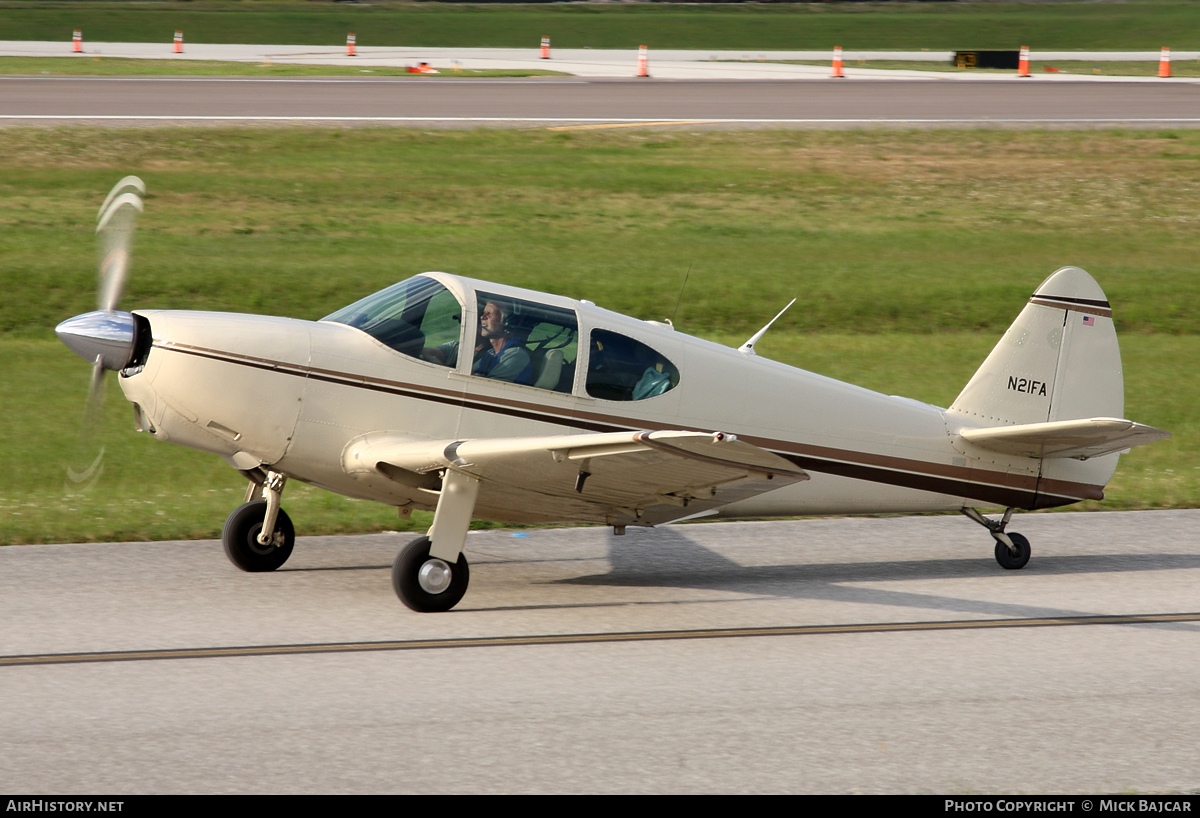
<point x="1091" y="302"/>
<point x="1060" y="304"/>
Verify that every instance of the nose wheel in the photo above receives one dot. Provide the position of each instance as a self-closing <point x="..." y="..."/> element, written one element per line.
<point x="427" y="584"/>
<point x="241" y="538"/>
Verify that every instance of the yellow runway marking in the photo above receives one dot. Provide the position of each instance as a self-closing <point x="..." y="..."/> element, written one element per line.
<point x="632" y="125"/>
<point x="586" y="638"/>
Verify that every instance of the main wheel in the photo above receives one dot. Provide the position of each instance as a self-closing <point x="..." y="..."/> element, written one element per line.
<point x="1008" y="559"/>
<point x="427" y="584"/>
<point x="240" y="538"/>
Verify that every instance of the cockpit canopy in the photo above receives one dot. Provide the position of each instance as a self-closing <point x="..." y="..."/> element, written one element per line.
<point x="515" y="339"/>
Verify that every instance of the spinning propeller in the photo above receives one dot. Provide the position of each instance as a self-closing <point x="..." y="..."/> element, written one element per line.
<point x="105" y="337"/>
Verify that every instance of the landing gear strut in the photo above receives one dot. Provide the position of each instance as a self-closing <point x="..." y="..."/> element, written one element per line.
<point x="259" y="536"/>
<point x="1012" y="549"/>
<point x="430" y="574"/>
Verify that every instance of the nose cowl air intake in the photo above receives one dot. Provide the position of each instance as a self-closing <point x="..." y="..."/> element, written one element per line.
<point x="104" y="334"/>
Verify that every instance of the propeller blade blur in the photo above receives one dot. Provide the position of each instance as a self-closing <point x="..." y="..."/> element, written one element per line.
<point x="89" y="432"/>
<point x="105" y="337"/>
<point x="115" y="228"/>
<point x="129" y="183"/>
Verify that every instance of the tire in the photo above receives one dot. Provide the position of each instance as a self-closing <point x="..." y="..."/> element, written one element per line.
<point x="1008" y="559"/>
<point x="406" y="579"/>
<point x="240" y="538"/>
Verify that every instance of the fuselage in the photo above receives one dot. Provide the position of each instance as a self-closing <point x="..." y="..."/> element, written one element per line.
<point x="292" y="395"/>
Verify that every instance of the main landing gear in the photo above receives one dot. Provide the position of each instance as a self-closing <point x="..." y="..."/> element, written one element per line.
<point x="1012" y="549"/>
<point x="259" y="536"/>
<point x="430" y="574"/>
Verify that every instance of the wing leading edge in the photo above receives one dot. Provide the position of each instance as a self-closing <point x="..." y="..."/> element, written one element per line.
<point x="619" y="478"/>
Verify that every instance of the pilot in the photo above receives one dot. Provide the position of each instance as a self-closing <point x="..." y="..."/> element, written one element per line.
<point x="498" y="352"/>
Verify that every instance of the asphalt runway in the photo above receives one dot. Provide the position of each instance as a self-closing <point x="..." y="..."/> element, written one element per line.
<point x="839" y="655"/>
<point x="581" y="102"/>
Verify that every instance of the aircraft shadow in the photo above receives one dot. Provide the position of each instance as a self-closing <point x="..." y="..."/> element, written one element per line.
<point x="674" y="560"/>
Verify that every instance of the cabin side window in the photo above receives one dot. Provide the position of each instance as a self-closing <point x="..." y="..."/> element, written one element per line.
<point x="411" y="317"/>
<point x="521" y="342"/>
<point x="620" y="368"/>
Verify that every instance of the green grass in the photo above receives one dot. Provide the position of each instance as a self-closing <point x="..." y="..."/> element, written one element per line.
<point x="1133" y="25"/>
<point x="910" y="253"/>
<point x="96" y="66"/>
<point x="874" y="230"/>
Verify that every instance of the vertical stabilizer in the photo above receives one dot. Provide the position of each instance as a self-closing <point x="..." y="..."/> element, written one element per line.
<point x="1058" y="361"/>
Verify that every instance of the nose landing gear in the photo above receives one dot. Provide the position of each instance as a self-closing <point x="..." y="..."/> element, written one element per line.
<point x="259" y="536"/>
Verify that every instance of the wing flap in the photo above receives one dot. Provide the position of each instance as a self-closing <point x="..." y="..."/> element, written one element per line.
<point x="1081" y="439"/>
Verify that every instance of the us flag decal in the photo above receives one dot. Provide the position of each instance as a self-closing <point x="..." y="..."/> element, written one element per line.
<point x="1089" y="320"/>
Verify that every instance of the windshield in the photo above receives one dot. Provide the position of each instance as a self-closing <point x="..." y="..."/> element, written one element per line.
<point x="408" y="317"/>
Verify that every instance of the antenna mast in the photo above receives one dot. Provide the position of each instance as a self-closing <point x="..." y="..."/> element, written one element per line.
<point x="748" y="347"/>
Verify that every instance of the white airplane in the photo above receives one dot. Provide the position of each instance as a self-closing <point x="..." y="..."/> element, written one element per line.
<point x="568" y="412"/>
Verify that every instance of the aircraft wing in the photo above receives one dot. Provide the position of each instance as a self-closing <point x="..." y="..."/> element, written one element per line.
<point x="1083" y="439"/>
<point x="620" y="478"/>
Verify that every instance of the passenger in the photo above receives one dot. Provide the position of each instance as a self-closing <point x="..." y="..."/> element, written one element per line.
<point x="498" y="353"/>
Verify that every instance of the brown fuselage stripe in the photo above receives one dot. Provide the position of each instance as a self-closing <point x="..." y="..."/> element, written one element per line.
<point x="1026" y="491"/>
<point x="586" y="638"/>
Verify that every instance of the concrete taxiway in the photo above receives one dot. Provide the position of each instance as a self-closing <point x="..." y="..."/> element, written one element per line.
<point x="841" y="655"/>
<point x="569" y="102"/>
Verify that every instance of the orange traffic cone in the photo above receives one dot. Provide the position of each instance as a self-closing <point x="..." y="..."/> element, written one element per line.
<point x="178" y="42"/>
<point x="545" y="48"/>
<point x="643" y="61"/>
<point x="77" y="41"/>
<point x="350" y="45"/>
<point x="1023" y="63"/>
<point x="1164" y="63"/>
<point x="837" y="61"/>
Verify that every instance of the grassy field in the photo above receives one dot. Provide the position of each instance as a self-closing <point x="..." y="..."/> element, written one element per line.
<point x="1070" y="24"/>
<point x="910" y="253"/>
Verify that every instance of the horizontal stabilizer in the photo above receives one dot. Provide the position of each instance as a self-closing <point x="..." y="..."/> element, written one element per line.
<point x="1081" y="439"/>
